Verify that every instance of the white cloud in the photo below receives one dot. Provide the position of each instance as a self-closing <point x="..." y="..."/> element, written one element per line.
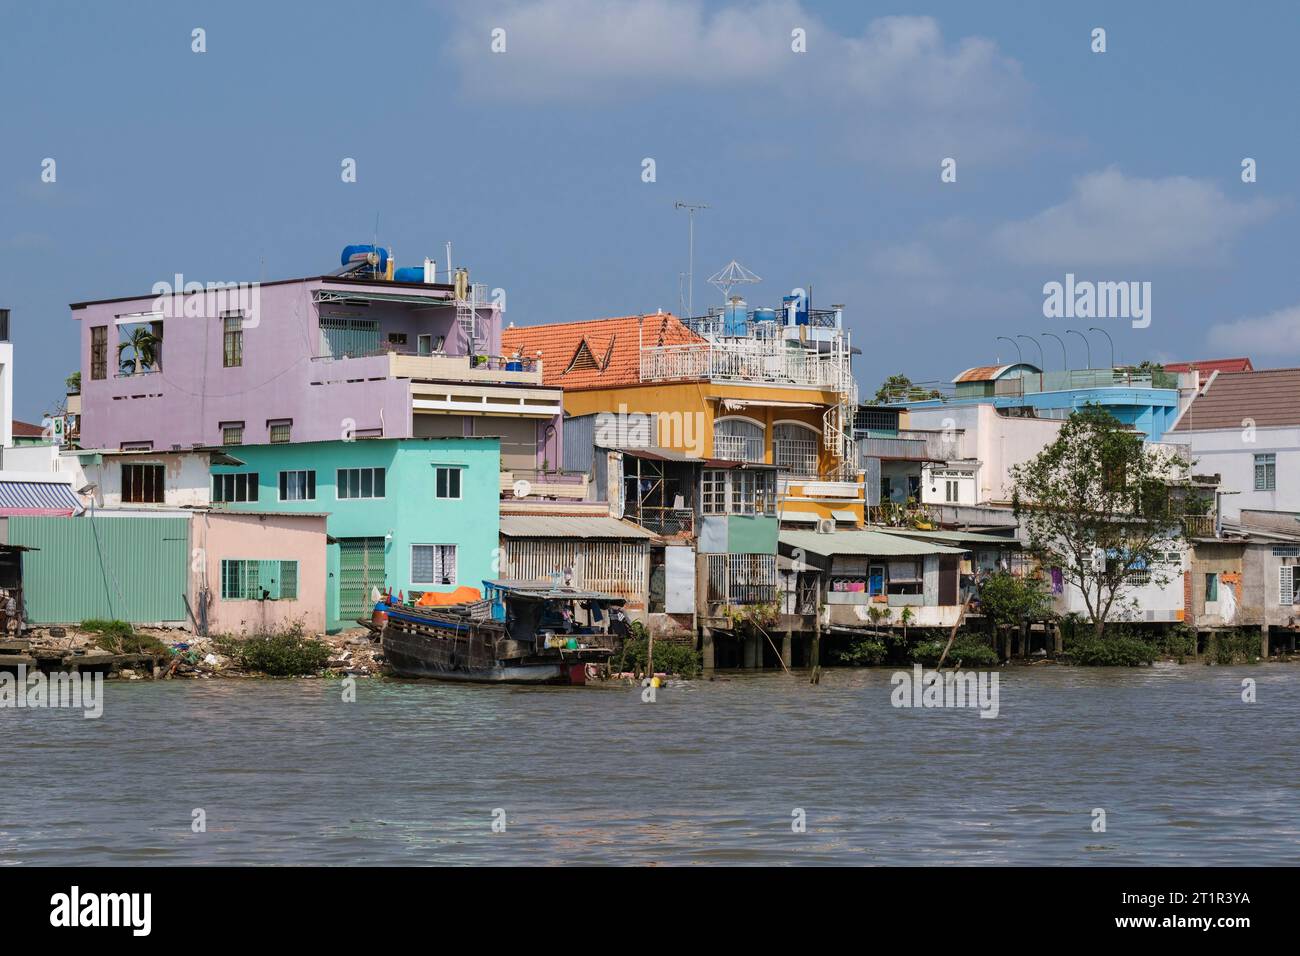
<point x="1277" y="333"/>
<point x="1116" y="220"/>
<point x="899" y="91"/>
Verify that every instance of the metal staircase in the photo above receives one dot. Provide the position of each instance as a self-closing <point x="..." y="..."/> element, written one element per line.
<point x="473" y="328"/>
<point x="839" y="419"/>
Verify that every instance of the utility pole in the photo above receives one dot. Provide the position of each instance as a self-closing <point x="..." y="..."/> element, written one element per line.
<point x="690" y="269"/>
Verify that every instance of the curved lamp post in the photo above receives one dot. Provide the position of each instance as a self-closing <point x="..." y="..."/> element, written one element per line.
<point x="1019" y="355"/>
<point x="1065" y="358"/>
<point x="1094" y="328"/>
<point x="1086" y="344"/>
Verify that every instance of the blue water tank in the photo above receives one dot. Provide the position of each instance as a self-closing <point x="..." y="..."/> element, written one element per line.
<point x="735" y="319"/>
<point x="765" y="315"/>
<point x="409" y="274"/>
<point x="359" y="253"/>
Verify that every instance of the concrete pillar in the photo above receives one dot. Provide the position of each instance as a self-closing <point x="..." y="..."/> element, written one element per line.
<point x="706" y="647"/>
<point x="1263" y="641"/>
<point x="787" y="649"/>
<point x="1006" y="643"/>
<point x="1059" y="640"/>
<point x="748" y="645"/>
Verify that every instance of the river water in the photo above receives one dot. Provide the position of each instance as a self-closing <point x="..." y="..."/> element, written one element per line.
<point x="711" y="772"/>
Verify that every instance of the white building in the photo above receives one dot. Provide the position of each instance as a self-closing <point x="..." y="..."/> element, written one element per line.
<point x="993" y="443"/>
<point x="1245" y="427"/>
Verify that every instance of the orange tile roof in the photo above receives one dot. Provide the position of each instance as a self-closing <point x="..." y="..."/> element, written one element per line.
<point x="26" y="430"/>
<point x="600" y="353"/>
<point x="1212" y="365"/>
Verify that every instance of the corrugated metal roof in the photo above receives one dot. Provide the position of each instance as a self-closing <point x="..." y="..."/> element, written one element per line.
<point x="566" y="526"/>
<point x="956" y="537"/>
<point x="38" y="498"/>
<point x="863" y="542"/>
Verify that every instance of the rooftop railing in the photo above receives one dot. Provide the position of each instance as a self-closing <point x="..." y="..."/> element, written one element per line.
<point x="744" y="361"/>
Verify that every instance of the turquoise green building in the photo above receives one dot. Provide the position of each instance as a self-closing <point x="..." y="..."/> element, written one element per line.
<point x="411" y="514"/>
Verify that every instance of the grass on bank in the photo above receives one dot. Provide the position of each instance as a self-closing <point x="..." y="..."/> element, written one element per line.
<point x="118" y="637"/>
<point x="287" y="652"/>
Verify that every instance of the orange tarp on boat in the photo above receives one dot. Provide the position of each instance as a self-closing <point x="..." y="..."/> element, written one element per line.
<point x="462" y="595"/>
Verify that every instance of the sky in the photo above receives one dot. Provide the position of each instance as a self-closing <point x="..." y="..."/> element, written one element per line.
<point x="822" y="167"/>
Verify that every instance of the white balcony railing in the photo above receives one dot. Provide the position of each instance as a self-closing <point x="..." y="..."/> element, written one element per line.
<point x="751" y="360"/>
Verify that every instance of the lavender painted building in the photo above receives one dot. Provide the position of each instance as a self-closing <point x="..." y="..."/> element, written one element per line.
<point x="309" y="360"/>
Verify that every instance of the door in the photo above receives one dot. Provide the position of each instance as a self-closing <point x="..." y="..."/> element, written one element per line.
<point x="876" y="580"/>
<point x="361" y="567"/>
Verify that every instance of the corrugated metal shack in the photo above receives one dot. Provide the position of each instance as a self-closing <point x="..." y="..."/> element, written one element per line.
<point x="599" y="553"/>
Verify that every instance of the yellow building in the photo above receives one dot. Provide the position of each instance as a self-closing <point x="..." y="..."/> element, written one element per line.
<point x="764" y="386"/>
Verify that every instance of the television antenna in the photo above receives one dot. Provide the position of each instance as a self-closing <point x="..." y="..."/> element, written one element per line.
<point x="732" y="274"/>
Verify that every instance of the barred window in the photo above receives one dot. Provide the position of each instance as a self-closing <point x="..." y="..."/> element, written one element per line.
<point x="232" y="433"/>
<point x="99" y="351"/>
<point x="1266" y="472"/>
<point x="142" y="484"/>
<point x="280" y="431"/>
<point x="232" y="345"/>
<point x="433" y="564"/>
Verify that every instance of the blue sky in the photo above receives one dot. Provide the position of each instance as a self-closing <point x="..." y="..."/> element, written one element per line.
<point x="821" y="168"/>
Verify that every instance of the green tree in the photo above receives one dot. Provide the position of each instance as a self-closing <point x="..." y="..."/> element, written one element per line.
<point x="899" y="388"/>
<point x="144" y="345"/>
<point x="1009" y="599"/>
<point x="1097" y="504"/>
<point x="73" y="383"/>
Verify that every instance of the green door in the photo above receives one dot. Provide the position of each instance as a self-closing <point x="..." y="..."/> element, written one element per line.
<point x="361" y="567"/>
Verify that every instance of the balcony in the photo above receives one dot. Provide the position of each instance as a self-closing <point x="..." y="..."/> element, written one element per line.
<point x="1199" y="526"/>
<point x="438" y="367"/>
<point x="746" y="361"/>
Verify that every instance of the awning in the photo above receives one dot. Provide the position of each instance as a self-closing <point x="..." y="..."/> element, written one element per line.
<point x="844" y="516"/>
<point x="799" y="517"/>
<point x="569" y="526"/>
<point x="736" y="404"/>
<point x="38" y="498"/>
<point x="871" y="543"/>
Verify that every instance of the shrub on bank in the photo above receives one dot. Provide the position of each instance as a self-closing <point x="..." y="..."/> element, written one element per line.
<point x="285" y="653"/>
<point x="1114" y="649"/>
<point x="1233" y="647"/>
<point x="862" y="652"/>
<point x="1178" y="643"/>
<point x="670" y="658"/>
<point x="970" y="649"/>
<point x="118" y="637"/>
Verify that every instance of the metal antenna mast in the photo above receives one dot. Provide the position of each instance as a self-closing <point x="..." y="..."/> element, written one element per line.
<point x="690" y="273"/>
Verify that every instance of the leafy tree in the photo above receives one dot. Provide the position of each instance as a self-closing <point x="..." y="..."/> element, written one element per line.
<point x="73" y="383"/>
<point x="1009" y="599"/>
<point x="1098" y="504"/>
<point x="899" y="388"/>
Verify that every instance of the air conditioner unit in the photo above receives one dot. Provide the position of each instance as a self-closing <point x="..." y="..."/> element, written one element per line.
<point x="825" y="526"/>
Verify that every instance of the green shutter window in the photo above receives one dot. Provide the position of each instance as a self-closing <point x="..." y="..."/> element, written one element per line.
<point x="268" y="579"/>
<point x="288" y="580"/>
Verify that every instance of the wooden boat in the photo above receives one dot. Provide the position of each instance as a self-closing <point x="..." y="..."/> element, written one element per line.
<point x="521" y="633"/>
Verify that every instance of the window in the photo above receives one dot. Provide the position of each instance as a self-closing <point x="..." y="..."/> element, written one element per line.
<point x="1266" y="472"/>
<point x="1211" y="588"/>
<point x="232" y="433"/>
<point x="142" y="484"/>
<point x="433" y="564"/>
<point x="280" y="430"/>
<point x="297" y="486"/>
<point x="1288" y="584"/>
<point x="447" y="482"/>
<point x="254" y="580"/>
<point x="241" y="487"/>
<point x="232" y="343"/>
<point x="99" y="351"/>
<point x="396" y="338"/>
<point x="794" y="449"/>
<point x="950" y="489"/>
<point x="359" y="483"/>
<point x="738" y="439"/>
<point x="739" y="491"/>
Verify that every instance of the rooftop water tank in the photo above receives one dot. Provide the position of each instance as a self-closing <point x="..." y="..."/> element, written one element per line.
<point x="735" y="318"/>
